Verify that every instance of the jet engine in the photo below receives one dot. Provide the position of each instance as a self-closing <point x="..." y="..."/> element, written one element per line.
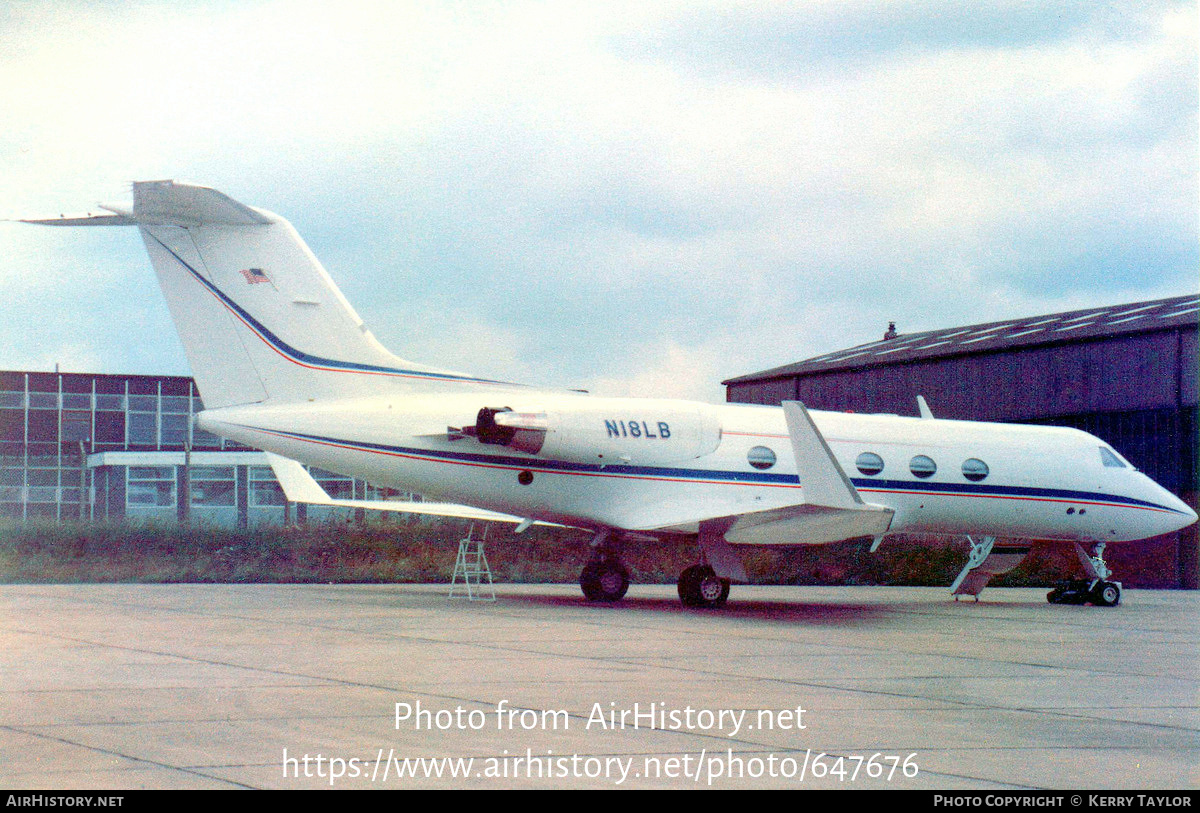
<point x="604" y="431"/>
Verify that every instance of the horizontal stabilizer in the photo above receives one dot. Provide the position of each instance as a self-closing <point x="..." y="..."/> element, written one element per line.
<point x="88" y="219"/>
<point x="166" y="203"/>
<point x="299" y="486"/>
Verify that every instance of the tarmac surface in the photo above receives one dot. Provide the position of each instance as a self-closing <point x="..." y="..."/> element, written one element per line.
<point x="313" y="686"/>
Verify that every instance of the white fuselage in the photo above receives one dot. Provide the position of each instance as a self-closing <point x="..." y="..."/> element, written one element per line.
<point x="1040" y="482"/>
<point x="285" y="364"/>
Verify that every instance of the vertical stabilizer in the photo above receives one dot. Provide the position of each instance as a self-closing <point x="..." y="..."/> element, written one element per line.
<point x="259" y="318"/>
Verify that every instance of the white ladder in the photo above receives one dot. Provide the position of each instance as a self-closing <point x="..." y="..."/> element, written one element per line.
<point x="472" y="567"/>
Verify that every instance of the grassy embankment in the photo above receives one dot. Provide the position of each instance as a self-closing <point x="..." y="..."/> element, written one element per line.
<point x="423" y="551"/>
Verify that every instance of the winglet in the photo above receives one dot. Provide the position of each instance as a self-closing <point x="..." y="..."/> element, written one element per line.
<point x="821" y="476"/>
<point x="923" y="407"/>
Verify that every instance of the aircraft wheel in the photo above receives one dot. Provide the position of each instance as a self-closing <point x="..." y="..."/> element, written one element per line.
<point x="604" y="581"/>
<point x="1106" y="594"/>
<point x="699" y="586"/>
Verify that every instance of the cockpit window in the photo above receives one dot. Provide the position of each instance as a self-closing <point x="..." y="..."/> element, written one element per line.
<point x="1111" y="459"/>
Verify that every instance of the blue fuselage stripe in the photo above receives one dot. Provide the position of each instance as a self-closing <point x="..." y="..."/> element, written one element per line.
<point x="723" y="476"/>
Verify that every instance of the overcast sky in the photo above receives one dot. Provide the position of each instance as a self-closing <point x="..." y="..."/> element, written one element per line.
<point x="636" y="198"/>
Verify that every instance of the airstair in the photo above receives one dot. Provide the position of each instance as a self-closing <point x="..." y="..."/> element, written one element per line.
<point x="985" y="561"/>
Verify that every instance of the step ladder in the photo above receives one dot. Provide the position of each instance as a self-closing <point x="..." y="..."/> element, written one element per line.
<point x="472" y="569"/>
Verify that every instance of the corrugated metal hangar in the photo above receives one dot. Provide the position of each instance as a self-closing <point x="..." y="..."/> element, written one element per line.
<point x="1126" y="373"/>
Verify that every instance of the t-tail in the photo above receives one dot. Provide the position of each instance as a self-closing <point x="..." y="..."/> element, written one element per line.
<point x="259" y="317"/>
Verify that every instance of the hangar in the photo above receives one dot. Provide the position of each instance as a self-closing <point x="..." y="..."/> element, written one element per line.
<point x="1125" y="373"/>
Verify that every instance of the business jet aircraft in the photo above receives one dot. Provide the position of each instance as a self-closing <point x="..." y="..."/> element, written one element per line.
<point x="284" y="364"/>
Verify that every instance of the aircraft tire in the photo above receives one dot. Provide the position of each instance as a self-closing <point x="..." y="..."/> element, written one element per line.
<point x="699" y="586"/>
<point x="1106" y="594"/>
<point x="605" y="581"/>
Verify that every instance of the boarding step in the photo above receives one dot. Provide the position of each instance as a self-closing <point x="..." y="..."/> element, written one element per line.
<point x="987" y="559"/>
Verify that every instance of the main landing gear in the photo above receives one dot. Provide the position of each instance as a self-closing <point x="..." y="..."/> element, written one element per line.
<point x="1096" y="589"/>
<point x="605" y="577"/>
<point x="699" y="586"/>
<point x="604" y="580"/>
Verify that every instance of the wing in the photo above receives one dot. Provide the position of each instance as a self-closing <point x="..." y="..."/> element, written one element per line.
<point x="299" y="486"/>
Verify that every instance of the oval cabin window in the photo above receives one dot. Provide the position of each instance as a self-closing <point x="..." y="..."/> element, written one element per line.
<point x="974" y="469"/>
<point x="922" y="466"/>
<point x="760" y="457"/>
<point x="869" y="463"/>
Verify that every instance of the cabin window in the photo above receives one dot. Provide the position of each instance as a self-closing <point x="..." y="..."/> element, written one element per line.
<point x="974" y="469"/>
<point x="869" y="463"/>
<point x="922" y="466"/>
<point x="760" y="457"/>
<point x="1110" y="458"/>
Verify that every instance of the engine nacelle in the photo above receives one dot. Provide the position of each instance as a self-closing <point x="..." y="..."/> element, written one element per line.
<point x="606" y="431"/>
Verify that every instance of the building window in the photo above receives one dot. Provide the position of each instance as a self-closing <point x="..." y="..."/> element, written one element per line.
<point x="151" y="485"/>
<point x="76" y="425"/>
<point x="110" y="427"/>
<point x="43" y="425"/>
<point x="337" y="486"/>
<point x="760" y="457"/>
<point x="76" y="401"/>
<point x="922" y="466"/>
<point x="213" y="486"/>
<point x="143" y="428"/>
<point x="974" y="469"/>
<point x="174" y="429"/>
<point x="12" y="425"/>
<point x="265" y="492"/>
<point x="869" y="463"/>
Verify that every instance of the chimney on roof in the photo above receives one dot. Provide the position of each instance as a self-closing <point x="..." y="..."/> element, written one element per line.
<point x="891" y="331"/>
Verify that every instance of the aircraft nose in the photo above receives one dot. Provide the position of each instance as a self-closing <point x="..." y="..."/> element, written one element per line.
<point x="1182" y="514"/>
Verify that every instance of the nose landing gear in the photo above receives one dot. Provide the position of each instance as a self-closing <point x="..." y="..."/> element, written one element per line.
<point x="1095" y="589"/>
<point x="1083" y="591"/>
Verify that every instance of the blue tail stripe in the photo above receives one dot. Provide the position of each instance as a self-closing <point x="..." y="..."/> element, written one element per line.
<point x="300" y="356"/>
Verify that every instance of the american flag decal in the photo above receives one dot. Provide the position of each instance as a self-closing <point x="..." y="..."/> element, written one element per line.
<point x="255" y="275"/>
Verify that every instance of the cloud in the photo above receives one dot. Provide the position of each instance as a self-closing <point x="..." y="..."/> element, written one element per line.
<point x="618" y="196"/>
<point x="757" y="41"/>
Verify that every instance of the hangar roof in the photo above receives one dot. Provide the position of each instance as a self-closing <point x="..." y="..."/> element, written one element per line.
<point x="1055" y="328"/>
